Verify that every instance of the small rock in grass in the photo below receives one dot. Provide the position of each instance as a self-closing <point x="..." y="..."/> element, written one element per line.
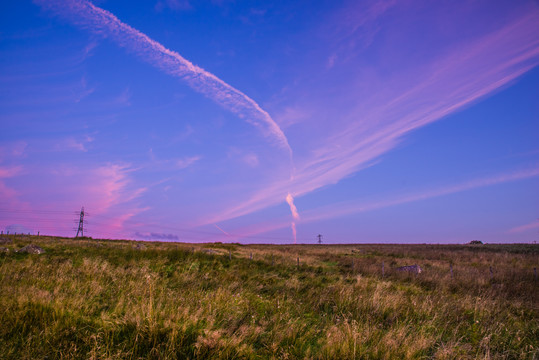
<point x="31" y="249"/>
<point x="416" y="269"/>
<point x="140" y="247"/>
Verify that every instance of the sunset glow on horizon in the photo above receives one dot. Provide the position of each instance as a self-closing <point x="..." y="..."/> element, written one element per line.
<point x="271" y="122"/>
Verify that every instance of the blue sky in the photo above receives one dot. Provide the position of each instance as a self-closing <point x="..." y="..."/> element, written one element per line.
<point x="370" y="121"/>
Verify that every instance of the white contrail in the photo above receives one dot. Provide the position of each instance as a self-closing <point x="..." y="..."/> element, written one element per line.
<point x="295" y="214"/>
<point x="293" y="226"/>
<point x="219" y="228"/>
<point x="99" y="21"/>
<point x="293" y="208"/>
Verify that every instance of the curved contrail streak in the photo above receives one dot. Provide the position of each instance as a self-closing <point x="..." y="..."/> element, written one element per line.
<point x="99" y="21"/>
<point x="295" y="214"/>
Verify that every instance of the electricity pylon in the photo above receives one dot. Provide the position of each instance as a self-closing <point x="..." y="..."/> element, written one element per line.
<point x="81" y="224"/>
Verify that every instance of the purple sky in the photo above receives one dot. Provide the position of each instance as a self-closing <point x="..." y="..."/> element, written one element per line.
<point x="222" y="120"/>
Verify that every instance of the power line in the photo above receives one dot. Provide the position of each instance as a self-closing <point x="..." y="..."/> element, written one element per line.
<point x="202" y="232"/>
<point x="38" y="211"/>
<point x="55" y="220"/>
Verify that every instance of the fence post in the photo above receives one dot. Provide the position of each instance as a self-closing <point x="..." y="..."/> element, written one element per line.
<point x="272" y="261"/>
<point x="535" y="273"/>
<point x="229" y="254"/>
<point x="250" y="256"/>
<point x="383" y="269"/>
<point x="491" y="273"/>
<point x="451" y="270"/>
<point x="298" y="262"/>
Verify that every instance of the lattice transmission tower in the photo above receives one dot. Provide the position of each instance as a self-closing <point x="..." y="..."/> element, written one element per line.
<point x="81" y="224"/>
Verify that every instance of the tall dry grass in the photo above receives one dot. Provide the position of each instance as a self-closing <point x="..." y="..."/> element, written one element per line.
<point x="108" y="300"/>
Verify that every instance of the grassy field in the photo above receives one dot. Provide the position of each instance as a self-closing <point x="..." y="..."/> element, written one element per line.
<point x="96" y="299"/>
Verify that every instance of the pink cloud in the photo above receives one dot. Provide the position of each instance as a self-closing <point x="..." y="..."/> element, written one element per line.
<point x="71" y="144"/>
<point x="109" y="186"/>
<point x="10" y="171"/>
<point x="188" y="161"/>
<point x="292" y="115"/>
<point x="8" y="195"/>
<point x="346" y="208"/>
<point x="107" y="192"/>
<point x="117" y="224"/>
<point x="253" y="231"/>
<point x="331" y="61"/>
<point x="525" y="228"/>
<point x="446" y="84"/>
<point x="89" y="49"/>
<point x="111" y="198"/>
<point x="124" y="99"/>
<point x="16" y="149"/>
<point x="243" y="156"/>
<point x="337" y="210"/>
<point x="251" y="160"/>
<point x="355" y="25"/>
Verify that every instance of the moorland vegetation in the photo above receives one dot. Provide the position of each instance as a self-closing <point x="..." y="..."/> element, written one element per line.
<point x="99" y="299"/>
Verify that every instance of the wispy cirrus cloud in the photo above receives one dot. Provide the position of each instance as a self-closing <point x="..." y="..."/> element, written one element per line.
<point x="110" y="187"/>
<point x="340" y="209"/>
<point x="86" y="15"/>
<point x="188" y="161"/>
<point x="292" y="115"/>
<point x="524" y="228"/>
<point x="8" y="195"/>
<point x="108" y="193"/>
<point x="101" y="189"/>
<point x="10" y="171"/>
<point x="408" y="101"/>
<point x="175" y="5"/>
<point x="71" y="143"/>
<point x="364" y="90"/>
<point x="248" y="158"/>
<point x="124" y="99"/>
<point x="347" y="208"/>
